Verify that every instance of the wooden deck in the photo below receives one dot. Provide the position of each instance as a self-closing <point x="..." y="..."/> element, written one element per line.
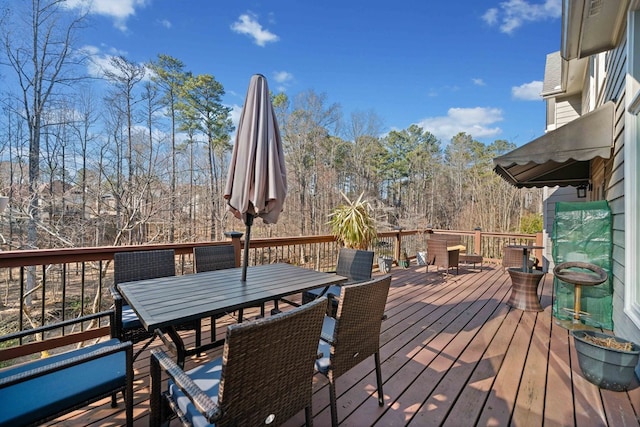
<point x="453" y="353"/>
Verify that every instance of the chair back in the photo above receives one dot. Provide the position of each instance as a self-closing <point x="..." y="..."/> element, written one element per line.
<point x="210" y="258"/>
<point x="358" y="321"/>
<point x="512" y="257"/>
<point x="140" y="265"/>
<point x="355" y="264"/>
<point x="437" y="252"/>
<point x="268" y="366"/>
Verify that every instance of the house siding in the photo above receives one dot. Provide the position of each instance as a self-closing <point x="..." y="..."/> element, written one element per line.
<point x="614" y="89"/>
<point x="567" y="109"/>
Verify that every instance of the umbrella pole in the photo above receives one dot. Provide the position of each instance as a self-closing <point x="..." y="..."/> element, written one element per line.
<point x="245" y="261"/>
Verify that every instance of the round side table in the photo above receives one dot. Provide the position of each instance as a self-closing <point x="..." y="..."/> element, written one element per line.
<point x="524" y="289"/>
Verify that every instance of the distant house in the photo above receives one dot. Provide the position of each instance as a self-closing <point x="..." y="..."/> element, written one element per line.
<point x="592" y="91"/>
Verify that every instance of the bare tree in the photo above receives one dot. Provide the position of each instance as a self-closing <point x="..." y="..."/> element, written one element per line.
<point x="38" y="39"/>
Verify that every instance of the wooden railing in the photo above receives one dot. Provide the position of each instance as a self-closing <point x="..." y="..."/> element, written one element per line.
<point x="46" y="286"/>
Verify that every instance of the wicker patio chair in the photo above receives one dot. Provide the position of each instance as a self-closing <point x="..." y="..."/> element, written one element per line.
<point x="512" y="257"/>
<point x="440" y="256"/>
<point x="354" y="334"/>
<point x="354" y="264"/>
<point x="140" y="265"/>
<point x="211" y="258"/>
<point x="264" y="376"/>
<point x="39" y="389"/>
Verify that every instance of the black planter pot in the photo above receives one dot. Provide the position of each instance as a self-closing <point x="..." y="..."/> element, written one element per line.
<point x="605" y="367"/>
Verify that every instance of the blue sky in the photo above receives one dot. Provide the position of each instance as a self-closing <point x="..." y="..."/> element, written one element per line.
<point x="470" y="66"/>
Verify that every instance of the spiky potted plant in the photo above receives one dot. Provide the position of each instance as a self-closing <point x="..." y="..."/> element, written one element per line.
<point x="352" y="223"/>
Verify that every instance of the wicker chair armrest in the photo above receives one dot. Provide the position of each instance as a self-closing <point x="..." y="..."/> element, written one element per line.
<point x="203" y="403"/>
<point x="117" y="305"/>
<point x="66" y="363"/>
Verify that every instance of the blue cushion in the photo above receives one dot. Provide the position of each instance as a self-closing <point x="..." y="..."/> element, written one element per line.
<point x="32" y="400"/>
<point x="322" y="364"/>
<point x="328" y="326"/>
<point x="207" y="377"/>
<point x="334" y="289"/>
<point x="130" y="318"/>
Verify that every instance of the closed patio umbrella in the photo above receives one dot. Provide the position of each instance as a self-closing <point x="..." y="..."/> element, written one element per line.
<point x="257" y="181"/>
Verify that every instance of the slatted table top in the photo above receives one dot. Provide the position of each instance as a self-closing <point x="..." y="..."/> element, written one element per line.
<point x="175" y="300"/>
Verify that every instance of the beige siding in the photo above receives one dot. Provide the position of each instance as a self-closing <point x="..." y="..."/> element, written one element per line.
<point x="567" y="109"/>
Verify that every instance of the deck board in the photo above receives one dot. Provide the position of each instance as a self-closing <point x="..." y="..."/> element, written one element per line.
<point x="453" y="353"/>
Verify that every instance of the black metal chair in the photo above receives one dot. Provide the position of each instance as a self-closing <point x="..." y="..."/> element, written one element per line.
<point x="140" y="265"/>
<point x="354" y="264"/>
<point x="354" y="334"/>
<point x="264" y="376"/>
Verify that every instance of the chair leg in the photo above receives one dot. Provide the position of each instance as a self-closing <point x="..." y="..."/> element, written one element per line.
<point x="144" y="347"/>
<point x="198" y="335"/>
<point x="376" y="357"/>
<point x="334" y="405"/>
<point x="213" y="329"/>
<point x="308" y="416"/>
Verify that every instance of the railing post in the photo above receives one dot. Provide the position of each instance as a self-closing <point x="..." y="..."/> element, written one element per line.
<point x="235" y="237"/>
<point x="539" y="242"/>
<point x="477" y="241"/>
<point x="398" y="244"/>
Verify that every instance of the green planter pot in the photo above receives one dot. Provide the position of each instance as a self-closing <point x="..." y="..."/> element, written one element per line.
<point x="605" y="367"/>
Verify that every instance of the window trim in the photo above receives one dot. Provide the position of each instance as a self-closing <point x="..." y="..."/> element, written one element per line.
<point x="632" y="177"/>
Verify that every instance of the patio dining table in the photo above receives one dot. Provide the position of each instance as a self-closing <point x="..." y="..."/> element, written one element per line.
<point x="163" y="303"/>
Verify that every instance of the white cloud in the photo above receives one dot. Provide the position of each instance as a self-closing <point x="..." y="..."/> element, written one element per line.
<point x="476" y="122"/>
<point x="165" y="23"/>
<point x="248" y="25"/>
<point x="528" y="91"/>
<point x="512" y="14"/>
<point x="236" y="111"/>
<point x="284" y="79"/>
<point x="119" y="10"/>
<point x="479" y="82"/>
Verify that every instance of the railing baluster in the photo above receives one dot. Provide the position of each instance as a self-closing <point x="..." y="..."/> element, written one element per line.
<point x="20" y="302"/>
<point x="43" y="300"/>
<point x="64" y="291"/>
<point x="82" y="283"/>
